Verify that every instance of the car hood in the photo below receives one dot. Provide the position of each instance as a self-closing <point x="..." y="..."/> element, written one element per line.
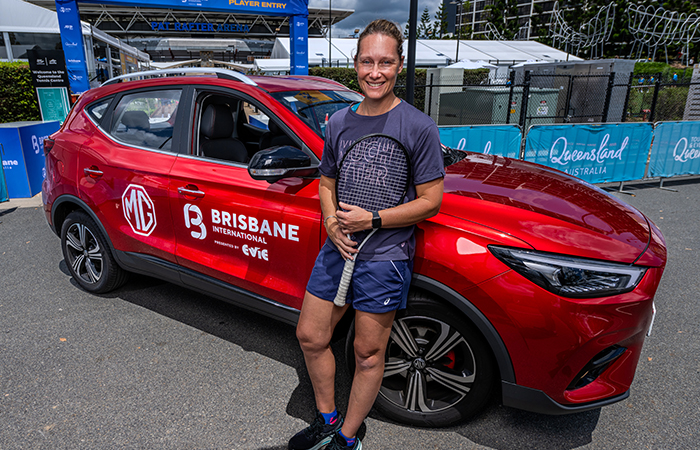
<point x="547" y="209"/>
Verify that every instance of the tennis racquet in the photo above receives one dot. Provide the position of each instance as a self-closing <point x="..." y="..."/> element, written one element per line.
<point x="374" y="174"/>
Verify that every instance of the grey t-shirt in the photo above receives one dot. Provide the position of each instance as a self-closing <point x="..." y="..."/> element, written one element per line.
<point x="418" y="134"/>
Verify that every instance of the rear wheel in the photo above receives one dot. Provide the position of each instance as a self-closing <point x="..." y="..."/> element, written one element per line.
<point x="88" y="255"/>
<point x="438" y="368"/>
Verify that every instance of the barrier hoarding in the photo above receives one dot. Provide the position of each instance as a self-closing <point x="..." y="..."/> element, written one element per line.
<point x="595" y="153"/>
<point x="502" y="140"/>
<point x="3" y="186"/>
<point x="676" y="149"/>
<point x="22" y="145"/>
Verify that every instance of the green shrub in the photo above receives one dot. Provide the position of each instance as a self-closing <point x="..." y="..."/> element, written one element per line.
<point x="18" y="100"/>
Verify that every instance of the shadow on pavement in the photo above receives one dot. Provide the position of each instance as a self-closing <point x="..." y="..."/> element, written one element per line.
<point x="257" y="333"/>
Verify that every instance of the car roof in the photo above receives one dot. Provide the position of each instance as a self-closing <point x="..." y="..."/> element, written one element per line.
<point x="296" y="83"/>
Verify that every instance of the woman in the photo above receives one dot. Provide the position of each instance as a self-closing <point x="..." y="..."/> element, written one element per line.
<point x="383" y="269"/>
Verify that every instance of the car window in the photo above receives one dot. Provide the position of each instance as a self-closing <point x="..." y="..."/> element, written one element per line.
<point x="98" y="110"/>
<point x="233" y="129"/>
<point x="316" y="107"/>
<point x="146" y="119"/>
<point x="255" y="117"/>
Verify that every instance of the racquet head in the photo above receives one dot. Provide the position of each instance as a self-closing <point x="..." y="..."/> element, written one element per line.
<point x="374" y="173"/>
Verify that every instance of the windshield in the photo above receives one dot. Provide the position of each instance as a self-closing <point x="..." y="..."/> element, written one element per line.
<point x="316" y="107"/>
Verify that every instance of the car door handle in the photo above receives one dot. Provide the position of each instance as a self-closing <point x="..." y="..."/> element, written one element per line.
<point x="190" y="191"/>
<point x="93" y="172"/>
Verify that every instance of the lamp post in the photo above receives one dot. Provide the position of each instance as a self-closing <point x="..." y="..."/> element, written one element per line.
<point x="458" y="28"/>
<point x="330" y="24"/>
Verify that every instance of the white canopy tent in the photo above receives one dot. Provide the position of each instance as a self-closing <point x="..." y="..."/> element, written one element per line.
<point x="435" y="53"/>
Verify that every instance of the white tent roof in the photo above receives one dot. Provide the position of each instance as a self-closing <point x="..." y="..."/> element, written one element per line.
<point x="271" y="65"/>
<point x="22" y="17"/>
<point x="433" y="52"/>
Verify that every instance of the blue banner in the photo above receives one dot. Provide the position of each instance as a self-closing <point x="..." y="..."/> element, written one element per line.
<point x="73" y="48"/>
<point x="3" y="186"/>
<point x="267" y="8"/>
<point x="676" y="149"/>
<point x="594" y="153"/>
<point x="298" y="41"/>
<point x="502" y="140"/>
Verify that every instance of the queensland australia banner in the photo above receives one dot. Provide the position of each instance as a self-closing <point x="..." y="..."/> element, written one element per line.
<point x="676" y="149"/>
<point x="502" y="140"/>
<point x="594" y="153"/>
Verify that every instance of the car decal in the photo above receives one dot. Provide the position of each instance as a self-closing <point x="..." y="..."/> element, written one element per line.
<point x="139" y="210"/>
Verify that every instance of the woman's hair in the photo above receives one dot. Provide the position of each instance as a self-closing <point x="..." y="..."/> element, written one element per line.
<point x="385" y="27"/>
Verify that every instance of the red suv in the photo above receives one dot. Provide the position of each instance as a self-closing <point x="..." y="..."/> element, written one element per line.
<point x="529" y="284"/>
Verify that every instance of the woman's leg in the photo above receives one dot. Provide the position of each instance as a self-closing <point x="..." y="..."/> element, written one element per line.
<point x="315" y="328"/>
<point x="371" y="337"/>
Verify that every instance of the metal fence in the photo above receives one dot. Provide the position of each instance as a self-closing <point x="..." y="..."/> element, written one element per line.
<point x="531" y="99"/>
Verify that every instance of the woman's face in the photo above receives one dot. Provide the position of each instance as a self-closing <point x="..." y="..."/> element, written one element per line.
<point x="377" y="65"/>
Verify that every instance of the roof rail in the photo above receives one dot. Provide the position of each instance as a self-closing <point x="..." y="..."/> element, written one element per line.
<point x="220" y="73"/>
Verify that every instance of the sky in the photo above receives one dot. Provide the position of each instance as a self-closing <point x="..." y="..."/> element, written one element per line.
<point x="368" y="10"/>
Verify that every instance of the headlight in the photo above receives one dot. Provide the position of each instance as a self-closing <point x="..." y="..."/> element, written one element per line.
<point x="569" y="276"/>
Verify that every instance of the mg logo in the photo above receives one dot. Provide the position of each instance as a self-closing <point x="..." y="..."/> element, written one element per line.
<point x="139" y="210"/>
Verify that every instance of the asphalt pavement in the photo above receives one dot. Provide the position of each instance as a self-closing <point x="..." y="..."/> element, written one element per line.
<point x="155" y="366"/>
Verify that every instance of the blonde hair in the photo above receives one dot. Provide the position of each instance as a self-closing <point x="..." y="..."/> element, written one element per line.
<point x="385" y="27"/>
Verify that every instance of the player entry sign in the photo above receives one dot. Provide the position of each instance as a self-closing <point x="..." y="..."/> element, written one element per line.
<point x="139" y="210"/>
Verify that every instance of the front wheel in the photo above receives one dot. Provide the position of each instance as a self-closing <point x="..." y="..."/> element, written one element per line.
<point x="88" y="255"/>
<point x="438" y="368"/>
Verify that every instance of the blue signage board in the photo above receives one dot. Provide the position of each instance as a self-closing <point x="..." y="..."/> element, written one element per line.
<point x="595" y="153"/>
<point x="676" y="149"/>
<point x="502" y="140"/>
<point x="22" y="146"/>
<point x="71" y="32"/>
<point x="72" y="42"/>
<point x="3" y="186"/>
<point x="299" y="45"/>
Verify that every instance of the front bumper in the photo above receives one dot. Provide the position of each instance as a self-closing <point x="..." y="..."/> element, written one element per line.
<point x="534" y="400"/>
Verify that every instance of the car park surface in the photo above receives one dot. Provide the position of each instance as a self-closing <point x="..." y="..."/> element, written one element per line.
<point x="527" y="276"/>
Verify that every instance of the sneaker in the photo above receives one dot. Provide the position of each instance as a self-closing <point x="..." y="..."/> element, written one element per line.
<point x="315" y="435"/>
<point x="339" y="443"/>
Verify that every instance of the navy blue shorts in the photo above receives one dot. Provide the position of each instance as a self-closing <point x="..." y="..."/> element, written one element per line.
<point x="376" y="286"/>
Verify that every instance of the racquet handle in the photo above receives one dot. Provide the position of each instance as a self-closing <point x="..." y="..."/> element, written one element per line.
<point x="344" y="284"/>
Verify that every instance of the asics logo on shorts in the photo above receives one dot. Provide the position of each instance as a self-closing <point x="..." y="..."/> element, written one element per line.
<point x="386" y="302"/>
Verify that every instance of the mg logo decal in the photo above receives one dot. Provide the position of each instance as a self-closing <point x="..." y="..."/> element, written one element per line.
<point x="139" y="210"/>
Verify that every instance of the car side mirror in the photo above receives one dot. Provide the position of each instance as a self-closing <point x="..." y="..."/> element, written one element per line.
<point x="280" y="162"/>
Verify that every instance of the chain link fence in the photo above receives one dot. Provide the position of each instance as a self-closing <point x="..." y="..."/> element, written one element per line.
<point x="527" y="99"/>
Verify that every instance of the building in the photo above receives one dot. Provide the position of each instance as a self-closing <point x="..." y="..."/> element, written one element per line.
<point x="474" y="17"/>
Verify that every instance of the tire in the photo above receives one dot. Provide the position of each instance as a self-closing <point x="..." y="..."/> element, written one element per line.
<point x="438" y="369"/>
<point x="88" y="255"/>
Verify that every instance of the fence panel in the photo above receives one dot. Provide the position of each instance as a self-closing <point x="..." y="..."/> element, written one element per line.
<point x="676" y="149"/>
<point x="502" y="140"/>
<point x="594" y="153"/>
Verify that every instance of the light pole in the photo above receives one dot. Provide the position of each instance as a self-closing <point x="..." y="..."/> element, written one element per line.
<point x="458" y="28"/>
<point x="330" y="22"/>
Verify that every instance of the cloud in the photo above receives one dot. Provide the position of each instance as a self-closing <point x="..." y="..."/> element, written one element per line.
<point x="368" y="10"/>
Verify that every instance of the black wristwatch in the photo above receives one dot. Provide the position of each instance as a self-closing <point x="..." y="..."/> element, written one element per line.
<point x="376" y="220"/>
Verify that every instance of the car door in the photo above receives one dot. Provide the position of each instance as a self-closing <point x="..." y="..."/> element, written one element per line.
<point x="259" y="237"/>
<point x="124" y="170"/>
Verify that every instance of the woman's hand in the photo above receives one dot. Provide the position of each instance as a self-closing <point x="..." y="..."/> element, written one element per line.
<point x="345" y="245"/>
<point x="353" y="218"/>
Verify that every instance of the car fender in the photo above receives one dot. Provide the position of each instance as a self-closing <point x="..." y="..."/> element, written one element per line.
<point x="60" y="206"/>
<point x="452" y="297"/>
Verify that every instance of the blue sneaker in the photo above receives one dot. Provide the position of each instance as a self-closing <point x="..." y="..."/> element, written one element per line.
<point x="317" y="434"/>
<point x="339" y="443"/>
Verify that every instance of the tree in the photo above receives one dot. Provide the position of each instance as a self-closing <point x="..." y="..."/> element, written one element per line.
<point x="424" y="29"/>
<point x="440" y="25"/>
